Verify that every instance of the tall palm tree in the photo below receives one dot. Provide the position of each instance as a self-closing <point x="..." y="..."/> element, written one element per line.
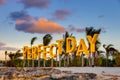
<point x="32" y="42"/>
<point x="66" y="56"/>
<point x="109" y="48"/>
<point x="46" y="41"/>
<point x="39" y="58"/>
<point x="91" y="31"/>
<point x="5" y="57"/>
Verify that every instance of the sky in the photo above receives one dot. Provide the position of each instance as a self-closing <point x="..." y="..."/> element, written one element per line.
<point x="20" y="20"/>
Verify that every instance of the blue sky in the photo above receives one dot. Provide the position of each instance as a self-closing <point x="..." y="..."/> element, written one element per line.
<point x="20" y="20"/>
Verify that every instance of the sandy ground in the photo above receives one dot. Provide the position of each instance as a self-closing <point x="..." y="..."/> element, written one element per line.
<point x="103" y="73"/>
<point x="97" y="70"/>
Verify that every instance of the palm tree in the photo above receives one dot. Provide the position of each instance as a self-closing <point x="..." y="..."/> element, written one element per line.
<point x="46" y="41"/>
<point x="97" y="46"/>
<point x="66" y="56"/>
<point x="109" y="48"/>
<point x="99" y="57"/>
<point x="5" y="57"/>
<point x="32" y="42"/>
<point x="91" y="31"/>
<point x="39" y="58"/>
<point x="14" y="56"/>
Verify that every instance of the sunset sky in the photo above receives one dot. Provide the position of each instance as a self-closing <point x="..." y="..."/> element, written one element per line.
<point x="20" y="20"/>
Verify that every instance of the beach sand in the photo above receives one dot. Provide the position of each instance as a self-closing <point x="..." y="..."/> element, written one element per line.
<point x="44" y="73"/>
<point x="103" y="73"/>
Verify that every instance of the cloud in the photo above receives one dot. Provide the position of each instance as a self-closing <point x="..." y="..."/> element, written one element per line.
<point x="2" y="44"/>
<point x="39" y="26"/>
<point x="22" y="15"/>
<point x="29" y="24"/>
<point x="8" y="48"/>
<point x="61" y="14"/>
<point x="72" y="28"/>
<point x="3" y="47"/>
<point x="76" y="29"/>
<point x="101" y="16"/>
<point x="35" y="3"/>
<point x="2" y="2"/>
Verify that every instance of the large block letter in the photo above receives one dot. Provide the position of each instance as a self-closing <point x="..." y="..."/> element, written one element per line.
<point x="92" y="42"/>
<point x="59" y="46"/>
<point x="82" y="48"/>
<point x="70" y="44"/>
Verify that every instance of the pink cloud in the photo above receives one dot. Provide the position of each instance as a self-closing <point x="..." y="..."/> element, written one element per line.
<point x="61" y="14"/>
<point x="30" y="24"/>
<point x="39" y="26"/>
<point x="2" y="2"/>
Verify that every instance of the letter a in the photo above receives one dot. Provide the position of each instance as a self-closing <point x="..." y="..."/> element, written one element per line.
<point x="82" y="48"/>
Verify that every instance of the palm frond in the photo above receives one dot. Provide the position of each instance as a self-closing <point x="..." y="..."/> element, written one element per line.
<point x="18" y="51"/>
<point x="110" y="45"/>
<point x="113" y="49"/>
<point x="104" y="45"/>
<point x="32" y="40"/>
<point x="47" y="39"/>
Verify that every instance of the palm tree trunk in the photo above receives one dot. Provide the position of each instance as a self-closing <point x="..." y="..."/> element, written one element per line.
<point x="89" y="59"/>
<point x="24" y="62"/>
<point x="107" y="60"/>
<point x="56" y="61"/>
<point x="77" y="61"/>
<point x="64" y="61"/>
<point x="93" y="58"/>
<point x="28" y="63"/>
<point x="82" y="60"/>
<point x="51" y="62"/>
<point x="32" y="62"/>
<point x="32" y="57"/>
<point x="75" y="58"/>
<point x="44" y="63"/>
<point x="39" y="62"/>
<point x="68" y="60"/>
<point x="5" y="60"/>
<point x="56" y="56"/>
<point x="59" y="60"/>
<point x="5" y="57"/>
